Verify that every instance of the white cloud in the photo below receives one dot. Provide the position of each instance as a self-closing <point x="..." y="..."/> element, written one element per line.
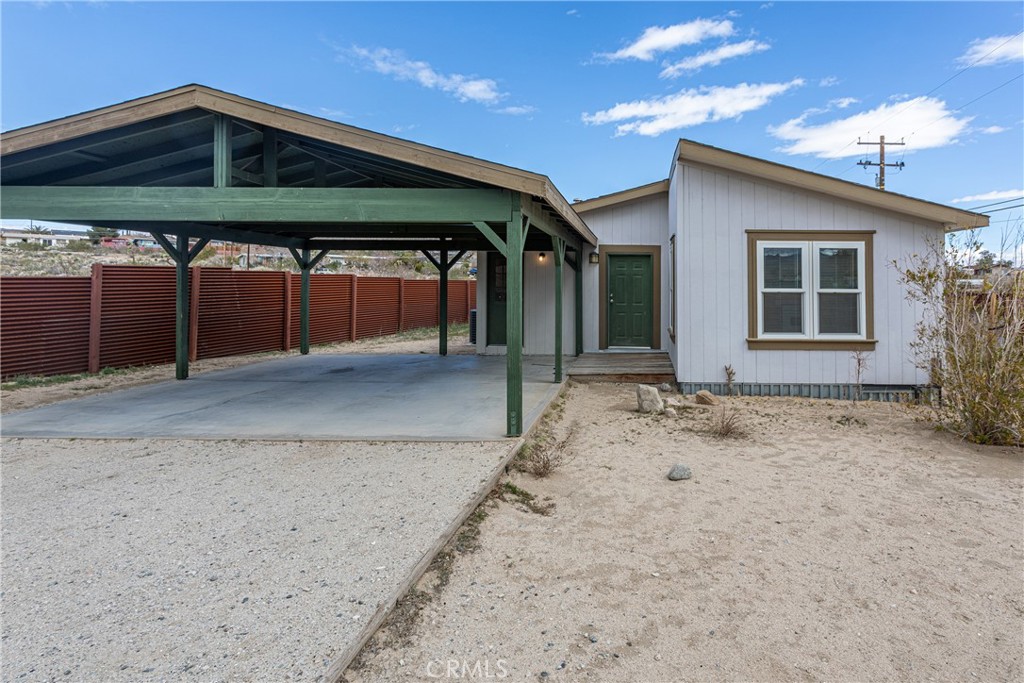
<point x="516" y="110"/>
<point x="687" y="108"/>
<point x="994" y="50"/>
<point x="657" y="39"/>
<point x="992" y="130"/>
<point x="925" y="121"/>
<point x="395" y="64"/>
<point x="714" y="57"/>
<point x="573" y="13"/>
<point x="843" y="102"/>
<point x="334" y="113"/>
<point x="993" y="196"/>
<point x="828" y="82"/>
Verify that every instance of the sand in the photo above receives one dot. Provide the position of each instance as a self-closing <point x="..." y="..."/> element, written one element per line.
<point x="831" y="542"/>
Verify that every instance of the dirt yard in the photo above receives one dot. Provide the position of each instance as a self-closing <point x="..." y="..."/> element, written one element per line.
<point x="830" y="542"/>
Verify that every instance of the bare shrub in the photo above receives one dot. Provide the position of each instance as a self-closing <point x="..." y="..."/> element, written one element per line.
<point x="730" y="378"/>
<point x="543" y="454"/>
<point x="970" y="340"/>
<point x="727" y="424"/>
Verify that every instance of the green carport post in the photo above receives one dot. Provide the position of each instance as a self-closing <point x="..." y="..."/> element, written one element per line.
<point x="182" y="257"/>
<point x="442" y="306"/>
<point x="558" y="247"/>
<point x="515" y="236"/>
<point x="305" y="265"/>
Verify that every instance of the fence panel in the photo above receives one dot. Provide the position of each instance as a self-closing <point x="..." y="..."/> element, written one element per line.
<point x="44" y="325"/>
<point x="125" y="315"/>
<point x="330" y="309"/>
<point x="420" y="303"/>
<point x="377" y="309"/>
<point x="239" y="312"/>
<point x="137" y="322"/>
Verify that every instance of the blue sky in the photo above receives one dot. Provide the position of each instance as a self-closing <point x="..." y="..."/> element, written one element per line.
<point x="592" y="94"/>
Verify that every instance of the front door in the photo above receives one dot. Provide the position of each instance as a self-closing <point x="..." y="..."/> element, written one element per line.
<point x="630" y="300"/>
<point x="497" y="295"/>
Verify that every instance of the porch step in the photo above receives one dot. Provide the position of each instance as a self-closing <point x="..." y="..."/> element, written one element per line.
<point x="653" y="366"/>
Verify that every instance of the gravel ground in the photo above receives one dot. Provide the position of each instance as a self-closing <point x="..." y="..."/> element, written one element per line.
<point x="179" y="560"/>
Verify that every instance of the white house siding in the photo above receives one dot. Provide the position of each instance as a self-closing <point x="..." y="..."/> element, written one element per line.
<point x="538" y="306"/>
<point x="714" y="211"/>
<point x="640" y="222"/>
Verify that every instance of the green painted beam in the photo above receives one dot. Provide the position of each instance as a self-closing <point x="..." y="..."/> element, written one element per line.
<point x="197" y="248"/>
<point x="514" y="325"/>
<point x="398" y="245"/>
<point x="181" y="309"/>
<point x="442" y="308"/>
<point x="269" y="157"/>
<point x="334" y="206"/>
<point x="492" y="237"/>
<point x="221" y="151"/>
<point x="558" y="247"/>
<point x="304" y="306"/>
<point x="543" y="221"/>
<point x="171" y="250"/>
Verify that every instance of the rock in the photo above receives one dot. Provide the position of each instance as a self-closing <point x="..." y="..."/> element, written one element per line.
<point x="706" y="398"/>
<point x="673" y="403"/>
<point x="648" y="399"/>
<point x="678" y="472"/>
<point x="664" y="386"/>
<point x="671" y="412"/>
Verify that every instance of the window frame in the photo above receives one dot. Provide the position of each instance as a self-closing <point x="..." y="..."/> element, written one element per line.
<point x="810" y="242"/>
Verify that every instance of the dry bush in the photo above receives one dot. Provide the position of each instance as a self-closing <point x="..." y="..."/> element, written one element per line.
<point x="543" y="454"/>
<point x="971" y="342"/>
<point x="727" y="424"/>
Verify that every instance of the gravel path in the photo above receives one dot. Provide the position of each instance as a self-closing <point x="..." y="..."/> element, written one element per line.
<point x="235" y="560"/>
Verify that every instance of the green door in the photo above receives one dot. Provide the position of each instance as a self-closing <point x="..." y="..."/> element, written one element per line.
<point x="497" y="295"/>
<point x="630" y="300"/>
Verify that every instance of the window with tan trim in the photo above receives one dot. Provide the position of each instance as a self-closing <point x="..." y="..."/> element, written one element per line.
<point x="810" y="290"/>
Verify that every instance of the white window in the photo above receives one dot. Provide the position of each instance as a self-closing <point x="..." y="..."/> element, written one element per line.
<point x="811" y="290"/>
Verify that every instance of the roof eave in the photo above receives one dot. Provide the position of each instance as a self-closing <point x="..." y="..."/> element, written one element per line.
<point x="952" y="219"/>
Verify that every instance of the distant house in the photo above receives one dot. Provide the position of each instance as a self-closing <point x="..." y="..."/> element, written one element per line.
<point x="779" y="273"/>
<point x="54" y="238"/>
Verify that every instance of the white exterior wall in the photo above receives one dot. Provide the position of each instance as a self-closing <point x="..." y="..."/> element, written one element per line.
<point x="643" y="221"/>
<point x="538" y="306"/>
<point x="713" y="210"/>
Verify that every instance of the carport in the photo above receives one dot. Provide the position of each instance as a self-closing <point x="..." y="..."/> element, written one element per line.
<point x="195" y="164"/>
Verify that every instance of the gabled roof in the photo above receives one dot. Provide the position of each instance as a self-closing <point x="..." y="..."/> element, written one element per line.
<point x="658" y="187"/>
<point x="951" y="218"/>
<point x="420" y="165"/>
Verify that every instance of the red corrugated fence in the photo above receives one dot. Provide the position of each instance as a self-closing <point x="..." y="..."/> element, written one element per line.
<point x="124" y="315"/>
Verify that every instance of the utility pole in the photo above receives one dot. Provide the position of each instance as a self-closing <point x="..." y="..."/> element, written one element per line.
<point x="880" y="178"/>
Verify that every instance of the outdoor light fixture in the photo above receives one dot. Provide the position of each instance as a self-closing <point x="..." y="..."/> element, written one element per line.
<point x="541" y="257"/>
<point x="594" y="257"/>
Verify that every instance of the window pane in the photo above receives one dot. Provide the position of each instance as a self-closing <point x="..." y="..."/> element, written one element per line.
<point x="783" y="313"/>
<point x="837" y="268"/>
<point x="782" y="266"/>
<point x="839" y="313"/>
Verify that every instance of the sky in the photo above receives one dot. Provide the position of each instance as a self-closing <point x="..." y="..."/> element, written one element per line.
<point x="594" y="95"/>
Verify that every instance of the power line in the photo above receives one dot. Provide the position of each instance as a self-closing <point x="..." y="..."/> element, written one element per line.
<point x="1005" y="208"/>
<point x="1005" y="201"/>
<point x="964" y="106"/>
<point x="914" y="101"/>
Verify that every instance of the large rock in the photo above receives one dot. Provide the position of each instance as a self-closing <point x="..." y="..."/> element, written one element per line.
<point x="706" y="398"/>
<point x="648" y="399"/>
<point x="679" y="472"/>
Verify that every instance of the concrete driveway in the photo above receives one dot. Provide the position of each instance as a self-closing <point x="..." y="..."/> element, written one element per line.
<point x="334" y="397"/>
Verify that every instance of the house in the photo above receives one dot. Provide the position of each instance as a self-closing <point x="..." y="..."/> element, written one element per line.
<point x="778" y="273"/>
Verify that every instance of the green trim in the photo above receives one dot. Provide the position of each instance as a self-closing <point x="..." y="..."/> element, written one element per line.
<point x="221" y="151"/>
<point x="442" y="305"/>
<point x="332" y="206"/>
<point x="181" y="309"/>
<point x="514" y="323"/>
<point x="558" y="247"/>
<point x="492" y="237"/>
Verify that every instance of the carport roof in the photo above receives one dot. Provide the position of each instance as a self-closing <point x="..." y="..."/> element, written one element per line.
<point x="164" y="140"/>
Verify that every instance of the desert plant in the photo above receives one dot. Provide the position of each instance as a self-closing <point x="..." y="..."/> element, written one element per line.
<point x="970" y="340"/>
<point x="543" y="454"/>
<point x="860" y="366"/>
<point x="730" y="377"/>
<point x="727" y="424"/>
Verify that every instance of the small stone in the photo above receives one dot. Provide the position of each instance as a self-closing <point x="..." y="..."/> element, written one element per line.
<point x="544" y="674"/>
<point x="664" y="386"/>
<point x="657" y="658"/>
<point x="648" y="399"/>
<point x="670" y="412"/>
<point x="678" y="472"/>
<point x="593" y="639"/>
<point x="706" y="398"/>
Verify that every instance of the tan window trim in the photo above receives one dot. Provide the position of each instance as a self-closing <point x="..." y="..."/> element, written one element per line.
<point x="865" y="236"/>
<point x="811" y="345"/>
